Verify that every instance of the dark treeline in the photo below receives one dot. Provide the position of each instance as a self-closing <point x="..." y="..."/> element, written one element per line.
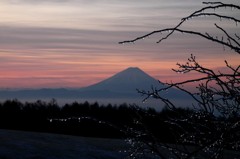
<point x="93" y="120"/>
<point x="82" y="119"/>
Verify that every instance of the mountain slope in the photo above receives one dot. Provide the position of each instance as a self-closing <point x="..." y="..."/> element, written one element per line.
<point x="124" y="85"/>
<point x="126" y="81"/>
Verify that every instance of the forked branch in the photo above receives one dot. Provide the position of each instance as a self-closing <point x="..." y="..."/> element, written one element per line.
<point x="230" y="42"/>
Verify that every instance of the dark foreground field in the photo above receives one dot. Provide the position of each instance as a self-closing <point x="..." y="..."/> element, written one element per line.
<point x="30" y="145"/>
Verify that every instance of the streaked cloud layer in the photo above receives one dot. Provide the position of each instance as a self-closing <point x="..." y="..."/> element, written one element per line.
<point x="74" y="43"/>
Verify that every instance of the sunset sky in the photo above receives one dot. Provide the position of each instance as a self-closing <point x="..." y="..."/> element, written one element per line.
<point x="74" y="43"/>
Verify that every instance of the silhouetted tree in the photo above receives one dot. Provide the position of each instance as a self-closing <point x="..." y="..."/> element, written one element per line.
<point x="214" y="126"/>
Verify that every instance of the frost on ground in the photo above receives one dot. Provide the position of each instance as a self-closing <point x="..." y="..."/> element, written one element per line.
<point x="29" y="145"/>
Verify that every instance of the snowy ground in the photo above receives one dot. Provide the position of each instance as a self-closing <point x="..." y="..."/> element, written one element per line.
<point x="29" y="145"/>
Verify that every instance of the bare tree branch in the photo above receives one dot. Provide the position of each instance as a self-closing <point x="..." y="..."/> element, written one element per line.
<point x="214" y="125"/>
<point x="201" y="12"/>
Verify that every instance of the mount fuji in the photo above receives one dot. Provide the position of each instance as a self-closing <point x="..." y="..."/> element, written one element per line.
<point x="119" y="88"/>
<point x="124" y="83"/>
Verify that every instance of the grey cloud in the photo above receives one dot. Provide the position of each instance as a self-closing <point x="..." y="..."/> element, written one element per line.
<point x="55" y="38"/>
<point x="40" y="1"/>
<point x="98" y="43"/>
<point x="35" y="2"/>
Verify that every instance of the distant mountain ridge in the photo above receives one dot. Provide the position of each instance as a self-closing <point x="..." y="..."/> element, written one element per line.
<point x="122" y="84"/>
<point x="119" y="88"/>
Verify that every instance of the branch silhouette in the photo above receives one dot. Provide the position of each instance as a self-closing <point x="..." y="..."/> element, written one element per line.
<point x="214" y="126"/>
<point x="201" y="13"/>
